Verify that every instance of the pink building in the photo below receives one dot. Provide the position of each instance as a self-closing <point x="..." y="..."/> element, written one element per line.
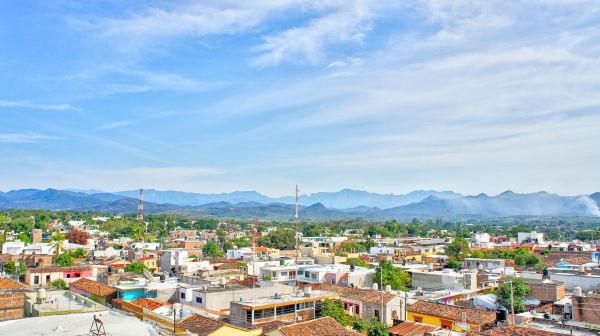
<point x="43" y="276"/>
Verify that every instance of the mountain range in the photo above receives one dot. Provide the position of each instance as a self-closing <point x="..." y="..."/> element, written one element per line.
<point x="344" y="204"/>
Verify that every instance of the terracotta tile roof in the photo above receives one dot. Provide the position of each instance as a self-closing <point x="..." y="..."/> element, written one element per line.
<point x="6" y="283"/>
<point x="357" y="294"/>
<point x="148" y="303"/>
<point x="508" y="331"/>
<point x="474" y="316"/>
<point x="409" y="328"/>
<point x="93" y="287"/>
<point x="200" y="325"/>
<point x="146" y="258"/>
<point x="56" y="269"/>
<point x="324" y="326"/>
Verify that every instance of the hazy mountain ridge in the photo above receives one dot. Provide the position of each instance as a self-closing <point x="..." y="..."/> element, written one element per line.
<point x="237" y="204"/>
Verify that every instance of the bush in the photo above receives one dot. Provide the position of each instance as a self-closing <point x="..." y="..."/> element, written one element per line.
<point x="136" y="267"/>
<point x="59" y="283"/>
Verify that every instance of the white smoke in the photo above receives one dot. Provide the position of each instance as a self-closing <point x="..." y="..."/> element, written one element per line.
<point x="590" y="204"/>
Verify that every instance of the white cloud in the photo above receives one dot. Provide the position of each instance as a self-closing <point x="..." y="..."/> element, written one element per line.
<point x="34" y="106"/>
<point x="23" y="137"/>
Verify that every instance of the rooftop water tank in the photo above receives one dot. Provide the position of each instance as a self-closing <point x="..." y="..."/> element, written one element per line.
<point x="375" y="286"/>
<point x="41" y="293"/>
<point x="501" y="314"/>
<point x="307" y="291"/>
<point x="388" y="288"/>
<point x="577" y="291"/>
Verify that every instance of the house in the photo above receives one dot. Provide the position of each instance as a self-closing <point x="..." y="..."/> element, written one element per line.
<point x="450" y="317"/>
<point x="43" y="276"/>
<point x="482" y="263"/>
<point x="14" y="248"/>
<point x="12" y="299"/>
<point x="204" y="326"/>
<point x="546" y="290"/>
<point x="150" y="262"/>
<point x="153" y="312"/>
<point x="339" y="274"/>
<point x="530" y="237"/>
<point x="444" y="280"/>
<point x="324" y="326"/>
<point x="288" y="308"/>
<point x="585" y="307"/>
<point x="366" y="304"/>
<point x="93" y="290"/>
<point x="409" y="328"/>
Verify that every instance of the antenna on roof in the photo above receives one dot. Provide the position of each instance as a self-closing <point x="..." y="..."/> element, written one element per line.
<point x="97" y="328"/>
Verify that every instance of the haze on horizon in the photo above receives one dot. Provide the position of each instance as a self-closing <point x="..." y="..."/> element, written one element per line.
<point x="383" y="96"/>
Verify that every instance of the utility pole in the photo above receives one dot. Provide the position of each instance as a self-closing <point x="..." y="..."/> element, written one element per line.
<point x="381" y="288"/>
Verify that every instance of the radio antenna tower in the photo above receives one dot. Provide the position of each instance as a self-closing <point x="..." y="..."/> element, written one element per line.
<point x="140" y="210"/>
<point x="254" y="234"/>
<point x="297" y="218"/>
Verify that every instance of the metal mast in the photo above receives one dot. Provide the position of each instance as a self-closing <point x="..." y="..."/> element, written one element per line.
<point x="140" y="210"/>
<point x="297" y="218"/>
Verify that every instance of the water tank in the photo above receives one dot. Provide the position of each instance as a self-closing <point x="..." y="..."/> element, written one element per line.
<point x="501" y="314"/>
<point x="281" y="262"/>
<point x="163" y="278"/>
<point x="388" y="288"/>
<point x="223" y="281"/>
<point x="577" y="291"/>
<point x="110" y="269"/>
<point x="375" y="286"/>
<point x="176" y="308"/>
<point x="307" y="291"/>
<point x="582" y="269"/>
<point x="41" y="293"/>
<point x="545" y="273"/>
<point x="352" y="267"/>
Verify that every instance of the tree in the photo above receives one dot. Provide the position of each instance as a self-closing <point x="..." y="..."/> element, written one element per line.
<point x="377" y="328"/>
<point x="211" y="249"/>
<point x="356" y="262"/>
<point x="57" y="239"/>
<point x="24" y="237"/>
<point x="312" y="230"/>
<point x="334" y="308"/>
<point x="76" y="236"/>
<point x="453" y="263"/>
<point x="282" y="239"/>
<point x="138" y="232"/>
<point x="64" y="260"/>
<point x="227" y="246"/>
<point x="136" y="267"/>
<point x="10" y="267"/>
<point x="59" y="283"/>
<point x="396" y="277"/>
<point x="78" y="253"/>
<point x="520" y="291"/>
<point x="458" y="249"/>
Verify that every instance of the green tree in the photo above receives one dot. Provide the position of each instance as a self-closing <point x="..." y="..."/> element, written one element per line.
<point x="359" y="325"/>
<point x="211" y="249"/>
<point x="78" y="253"/>
<point x="57" y="239"/>
<point x="356" y="262"/>
<point x="24" y="237"/>
<point x="453" y="263"/>
<point x="64" y="260"/>
<point x="334" y="308"/>
<point x="396" y="277"/>
<point x="312" y="230"/>
<point x="227" y="246"/>
<point x="136" y="267"/>
<point x="377" y="328"/>
<point x="10" y="267"/>
<point x="138" y="232"/>
<point x="59" y="283"/>
<point x="282" y="239"/>
<point x="520" y="291"/>
<point x="458" y="249"/>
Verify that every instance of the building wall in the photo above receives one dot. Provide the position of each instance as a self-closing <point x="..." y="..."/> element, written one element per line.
<point x="229" y="331"/>
<point x="585" y="308"/>
<point x="12" y="306"/>
<point x="436" y="321"/>
<point x="547" y="292"/>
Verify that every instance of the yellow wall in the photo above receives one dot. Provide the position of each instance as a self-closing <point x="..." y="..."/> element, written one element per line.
<point x="230" y="331"/>
<point x="434" y="320"/>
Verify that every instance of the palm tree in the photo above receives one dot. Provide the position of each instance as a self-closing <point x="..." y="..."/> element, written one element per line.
<point x="137" y="232"/>
<point x="57" y="239"/>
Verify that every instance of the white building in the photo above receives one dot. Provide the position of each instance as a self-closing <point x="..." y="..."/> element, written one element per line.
<point x="14" y="248"/>
<point x="530" y="237"/>
<point x="382" y="250"/>
<point x="145" y="246"/>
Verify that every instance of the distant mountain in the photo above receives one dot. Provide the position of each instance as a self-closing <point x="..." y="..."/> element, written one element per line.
<point x="428" y="204"/>
<point x="343" y="199"/>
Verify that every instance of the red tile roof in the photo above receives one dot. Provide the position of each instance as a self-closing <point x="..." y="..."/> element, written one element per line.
<point x="148" y="303"/>
<point x="56" y="269"/>
<point x="93" y="287"/>
<point x="357" y="294"/>
<point x="510" y="331"/>
<point x="6" y="283"/>
<point x="324" y="326"/>
<point x="455" y="313"/>
<point x="200" y="325"/>
<point x="411" y="329"/>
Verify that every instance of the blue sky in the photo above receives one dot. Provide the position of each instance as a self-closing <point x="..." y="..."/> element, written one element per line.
<point x="385" y="96"/>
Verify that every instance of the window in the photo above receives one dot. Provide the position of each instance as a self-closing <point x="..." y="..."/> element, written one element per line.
<point x="47" y="278"/>
<point x="68" y="276"/>
<point x="182" y="295"/>
<point x="446" y="324"/>
<point x="418" y="318"/>
<point x="77" y="275"/>
<point x="377" y="315"/>
<point x="36" y="280"/>
<point x="198" y="299"/>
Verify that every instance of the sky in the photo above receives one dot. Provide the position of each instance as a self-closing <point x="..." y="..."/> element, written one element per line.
<point x="385" y="96"/>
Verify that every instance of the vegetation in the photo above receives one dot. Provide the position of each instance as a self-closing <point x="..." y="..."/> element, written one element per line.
<point x="59" y="283"/>
<point x="356" y="262"/>
<point x="211" y="249"/>
<point x="10" y="267"/>
<point x="521" y="256"/>
<point x="334" y="308"/>
<point x="520" y="291"/>
<point x="283" y="239"/>
<point x="396" y="277"/>
<point x="136" y="267"/>
<point x="78" y="253"/>
<point x="64" y="260"/>
<point x="458" y="249"/>
<point x="377" y="328"/>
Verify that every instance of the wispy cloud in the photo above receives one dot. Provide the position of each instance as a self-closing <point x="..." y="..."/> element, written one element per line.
<point x="19" y="138"/>
<point x="34" y="106"/>
<point x="114" y="124"/>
